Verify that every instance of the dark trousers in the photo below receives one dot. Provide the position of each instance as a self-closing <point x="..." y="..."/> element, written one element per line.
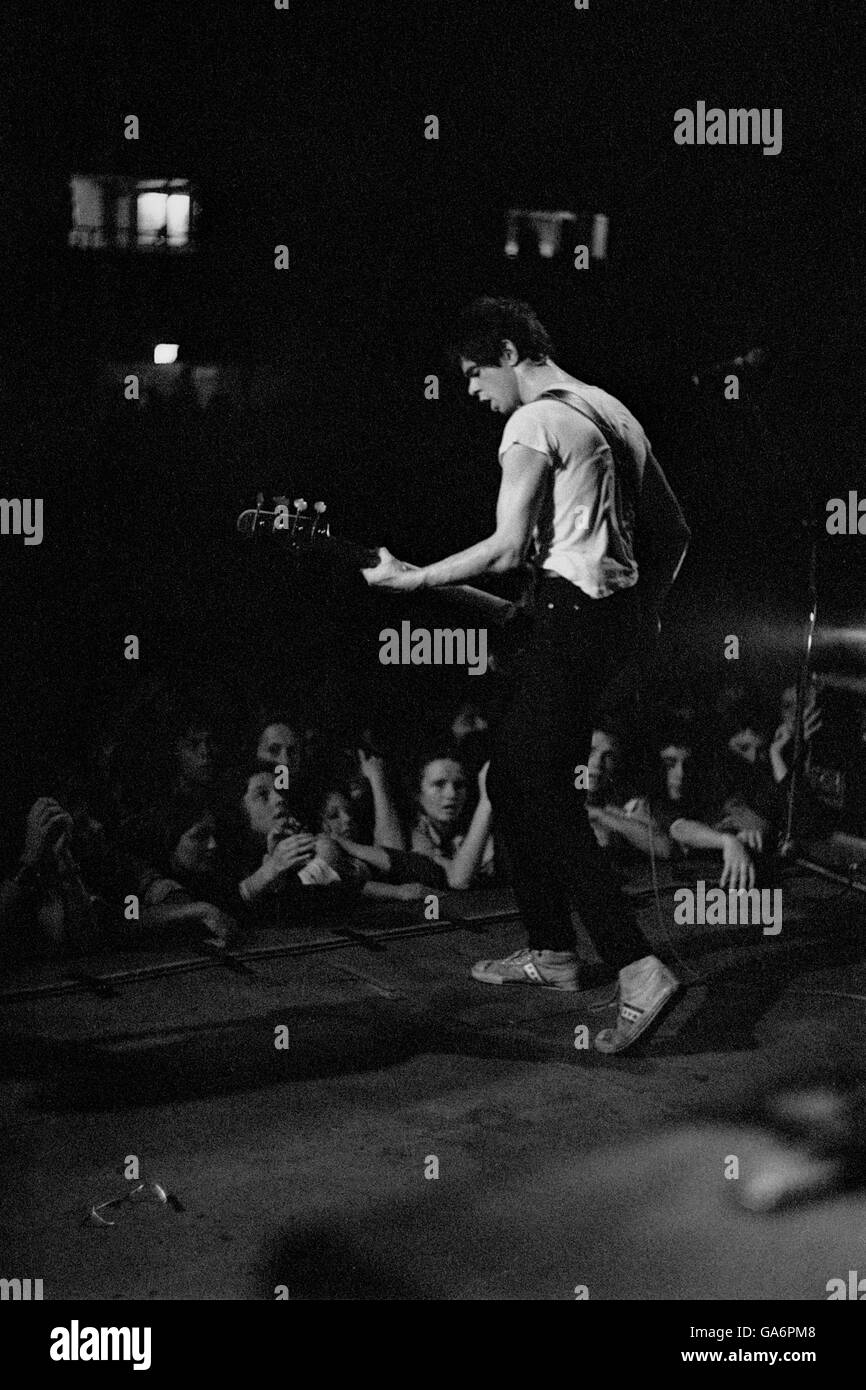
<point x="580" y="649"/>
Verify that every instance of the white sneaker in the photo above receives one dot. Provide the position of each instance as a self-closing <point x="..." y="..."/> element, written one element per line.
<point x="552" y="969"/>
<point x="645" y="987"/>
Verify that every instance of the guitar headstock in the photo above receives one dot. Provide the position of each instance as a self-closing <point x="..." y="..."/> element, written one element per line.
<point x="293" y="522"/>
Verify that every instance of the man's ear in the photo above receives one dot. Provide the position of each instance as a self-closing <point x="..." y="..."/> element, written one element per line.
<point x="509" y="356"/>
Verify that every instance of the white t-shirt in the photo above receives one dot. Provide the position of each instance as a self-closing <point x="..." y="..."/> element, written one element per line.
<point x="586" y="528"/>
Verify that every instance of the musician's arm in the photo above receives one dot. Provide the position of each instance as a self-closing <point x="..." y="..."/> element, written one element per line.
<point x="521" y="493"/>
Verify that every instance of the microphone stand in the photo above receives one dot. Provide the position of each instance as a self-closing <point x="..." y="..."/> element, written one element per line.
<point x="787" y="846"/>
<point x="809" y="525"/>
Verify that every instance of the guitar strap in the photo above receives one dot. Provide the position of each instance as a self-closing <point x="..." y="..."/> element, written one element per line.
<point x="623" y="457"/>
<point x="583" y="407"/>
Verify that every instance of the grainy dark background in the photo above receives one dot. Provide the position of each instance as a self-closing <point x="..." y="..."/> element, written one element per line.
<point x="306" y="127"/>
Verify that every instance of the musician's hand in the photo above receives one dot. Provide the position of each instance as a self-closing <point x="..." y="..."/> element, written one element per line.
<point x="391" y="573"/>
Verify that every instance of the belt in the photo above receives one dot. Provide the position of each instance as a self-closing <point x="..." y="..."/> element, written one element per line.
<point x="555" y="591"/>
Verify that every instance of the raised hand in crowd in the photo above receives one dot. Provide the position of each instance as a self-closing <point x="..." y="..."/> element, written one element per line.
<point x="783" y="739"/>
<point x="48" y="827"/>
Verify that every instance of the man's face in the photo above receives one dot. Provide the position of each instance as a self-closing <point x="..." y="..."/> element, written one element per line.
<point x="496" y="387"/>
<point x="602" y="762"/>
<point x="675" y="759"/>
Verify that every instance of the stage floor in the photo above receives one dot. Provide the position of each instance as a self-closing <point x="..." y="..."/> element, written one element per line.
<point x="303" y="1167"/>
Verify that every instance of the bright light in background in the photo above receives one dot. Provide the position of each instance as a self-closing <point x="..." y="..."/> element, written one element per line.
<point x="165" y="352"/>
<point x="543" y="228"/>
<point x="600" y="225"/>
<point x="163" y="215"/>
<point x="845" y="636"/>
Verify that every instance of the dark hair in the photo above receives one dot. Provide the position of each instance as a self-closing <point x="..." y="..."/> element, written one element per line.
<point x="675" y="733"/>
<point x="236" y="780"/>
<point x="268" y="715"/>
<point x="744" y="717"/>
<point x="156" y="833"/>
<point x="322" y="796"/>
<point x="484" y="325"/>
<point x="235" y="786"/>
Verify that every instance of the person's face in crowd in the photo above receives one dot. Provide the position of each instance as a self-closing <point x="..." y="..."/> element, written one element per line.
<point x="196" y="850"/>
<point x="748" y="743"/>
<point x="603" y="762"/>
<point x="196" y="757"/>
<point x="337" y="816"/>
<point x="468" y="720"/>
<point x="263" y="804"/>
<point x="496" y="387"/>
<point x="443" y="791"/>
<point x="280" y="746"/>
<point x="675" y="761"/>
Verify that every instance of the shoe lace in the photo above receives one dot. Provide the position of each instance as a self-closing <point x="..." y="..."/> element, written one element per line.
<point x="517" y="957"/>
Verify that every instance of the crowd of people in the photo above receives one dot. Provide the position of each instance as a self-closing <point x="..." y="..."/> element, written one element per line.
<point x="182" y="831"/>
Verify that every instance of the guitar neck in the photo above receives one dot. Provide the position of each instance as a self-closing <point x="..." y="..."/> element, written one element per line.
<point x="302" y="533"/>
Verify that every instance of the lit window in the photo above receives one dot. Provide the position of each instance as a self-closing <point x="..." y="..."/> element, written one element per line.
<point x="122" y="213"/>
<point x="163" y="218"/>
<point x="550" y="234"/>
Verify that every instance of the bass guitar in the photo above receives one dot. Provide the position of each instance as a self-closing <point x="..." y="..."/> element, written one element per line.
<point x="301" y="528"/>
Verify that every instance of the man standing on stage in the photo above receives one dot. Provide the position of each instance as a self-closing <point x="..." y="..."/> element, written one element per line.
<point x="580" y="485"/>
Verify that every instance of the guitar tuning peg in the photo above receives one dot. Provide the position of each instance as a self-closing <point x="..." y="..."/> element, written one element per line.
<point x="319" y="507"/>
